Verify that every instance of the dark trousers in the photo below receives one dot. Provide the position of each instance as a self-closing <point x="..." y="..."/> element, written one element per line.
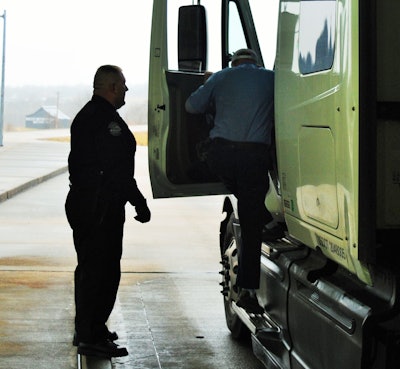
<point x="243" y="168"/>
<point x="97" y="234"/>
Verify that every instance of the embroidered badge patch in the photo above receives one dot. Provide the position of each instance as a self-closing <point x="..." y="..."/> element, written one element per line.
<point x="115" y="129"/>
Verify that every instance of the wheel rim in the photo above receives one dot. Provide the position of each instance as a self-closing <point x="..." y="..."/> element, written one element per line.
<point x="230" y="264"/>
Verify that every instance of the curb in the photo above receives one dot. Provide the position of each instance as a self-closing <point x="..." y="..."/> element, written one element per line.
<point x="34" y="182"/>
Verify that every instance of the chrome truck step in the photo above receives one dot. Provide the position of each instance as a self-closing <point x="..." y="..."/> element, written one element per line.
<point x="92" y="362"/>
<point x="260" y="325"/>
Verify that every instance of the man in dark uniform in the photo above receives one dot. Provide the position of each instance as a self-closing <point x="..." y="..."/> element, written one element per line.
<point x="101" y="168"/>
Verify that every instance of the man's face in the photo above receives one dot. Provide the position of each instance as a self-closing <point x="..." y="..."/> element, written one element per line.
<point x="120" y="90"/>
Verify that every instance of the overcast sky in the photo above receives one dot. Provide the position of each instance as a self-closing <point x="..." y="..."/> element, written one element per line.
<point x="58" y="42"/>
<point x="63" y="42"/>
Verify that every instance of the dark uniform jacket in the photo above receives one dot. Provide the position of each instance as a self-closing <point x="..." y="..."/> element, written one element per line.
<point x="101" y="161"/>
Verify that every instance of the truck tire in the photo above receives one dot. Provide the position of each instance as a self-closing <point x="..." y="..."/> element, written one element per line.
<point x="229" y="262"/>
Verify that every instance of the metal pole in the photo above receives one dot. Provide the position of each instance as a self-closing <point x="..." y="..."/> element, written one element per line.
<point x="3" y="63"/>
<point x="58" y="102"/>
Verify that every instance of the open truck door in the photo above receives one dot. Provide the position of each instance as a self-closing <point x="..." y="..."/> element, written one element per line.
<point x="179" y="57"/>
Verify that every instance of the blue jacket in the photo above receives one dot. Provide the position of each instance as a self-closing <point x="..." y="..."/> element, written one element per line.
<point x="241" y="99"/>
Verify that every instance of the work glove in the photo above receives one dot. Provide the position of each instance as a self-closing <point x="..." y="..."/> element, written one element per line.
<point x="143" y="213"/>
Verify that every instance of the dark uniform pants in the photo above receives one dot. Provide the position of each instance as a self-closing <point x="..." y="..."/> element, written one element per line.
<point x="243" y="168"/>
<point x="97" y="234"/>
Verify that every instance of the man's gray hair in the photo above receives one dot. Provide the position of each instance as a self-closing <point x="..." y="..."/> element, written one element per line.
<point x="247" y="54"/>
<point x="106" y="74"/>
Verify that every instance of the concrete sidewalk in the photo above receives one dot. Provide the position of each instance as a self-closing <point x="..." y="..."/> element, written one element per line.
<point x="30" y="157"/>
<point x="27" y="159"/>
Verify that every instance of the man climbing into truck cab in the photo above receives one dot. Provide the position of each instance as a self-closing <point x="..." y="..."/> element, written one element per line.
<point x="242" y="98"/>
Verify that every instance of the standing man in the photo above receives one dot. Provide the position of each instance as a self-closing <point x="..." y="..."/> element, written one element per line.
<point x="243" y="100"/>
<point x="101" y="168"/>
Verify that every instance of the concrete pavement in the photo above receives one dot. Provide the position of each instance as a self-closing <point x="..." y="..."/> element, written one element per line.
<point x="28" y="158"/>
<point x="169" y="312"/>
<point x="23" y="165"/>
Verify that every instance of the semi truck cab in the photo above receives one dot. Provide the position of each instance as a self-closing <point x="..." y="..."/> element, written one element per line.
<point x="330" y="287"/>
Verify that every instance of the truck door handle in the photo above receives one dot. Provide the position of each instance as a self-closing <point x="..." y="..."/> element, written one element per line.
<point x="160" y="107"/>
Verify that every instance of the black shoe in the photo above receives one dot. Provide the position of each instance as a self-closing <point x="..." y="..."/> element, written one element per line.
<point x="105" y="349"/>
<point x="111" y="336"/>
<point x="249" y="303"/>
<point x="273" y="234"/>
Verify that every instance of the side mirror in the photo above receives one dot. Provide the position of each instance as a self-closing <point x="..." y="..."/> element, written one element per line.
<point x="192" y="38"/>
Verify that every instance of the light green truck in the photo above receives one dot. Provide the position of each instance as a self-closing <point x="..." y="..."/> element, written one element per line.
<point x="330" y="288"/>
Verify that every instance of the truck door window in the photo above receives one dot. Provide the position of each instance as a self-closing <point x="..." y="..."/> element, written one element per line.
<point x="316" y="35"/>
<point x="265" y="17"/>
<point x="236" y="38"/>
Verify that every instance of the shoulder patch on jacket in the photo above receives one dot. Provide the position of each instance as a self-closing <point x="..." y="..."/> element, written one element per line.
<point x="114" y="129"/>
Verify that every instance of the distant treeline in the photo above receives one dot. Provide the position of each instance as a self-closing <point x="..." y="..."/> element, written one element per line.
<point x="24" y="100"/>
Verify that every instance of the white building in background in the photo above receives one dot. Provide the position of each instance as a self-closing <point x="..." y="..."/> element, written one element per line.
<point x="47" y="117"/>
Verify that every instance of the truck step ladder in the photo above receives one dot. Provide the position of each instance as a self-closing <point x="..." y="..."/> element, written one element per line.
<point x="93" y="362"/>
<point x="260" y="325"/>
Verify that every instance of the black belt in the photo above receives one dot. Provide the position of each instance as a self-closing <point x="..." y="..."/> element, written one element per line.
<point x="239" y="144"/>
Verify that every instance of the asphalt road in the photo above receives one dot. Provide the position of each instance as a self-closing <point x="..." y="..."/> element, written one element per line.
<point x="169" y="312"/>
